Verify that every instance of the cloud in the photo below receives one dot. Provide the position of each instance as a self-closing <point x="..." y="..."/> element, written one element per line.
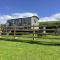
<point x="4" y="18"/>
<point x="23" y="15"/>
<point x="54" y="17"/>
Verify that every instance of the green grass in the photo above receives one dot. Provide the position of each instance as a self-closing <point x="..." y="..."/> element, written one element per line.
<point x="14" y="50"/>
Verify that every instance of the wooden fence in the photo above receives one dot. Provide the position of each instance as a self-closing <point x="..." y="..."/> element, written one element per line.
<point x="16" y="30"/>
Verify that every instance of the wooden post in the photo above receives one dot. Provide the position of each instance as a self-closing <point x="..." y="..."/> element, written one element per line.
<point x="14" y="28"/>
<point x="6" y="30"/>
<point x="44" y="29"/>
<point x="0" y="31"/>
<point x="33" y="32"/>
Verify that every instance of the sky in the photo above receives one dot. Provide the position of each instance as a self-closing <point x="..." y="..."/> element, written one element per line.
<point x="43" y="8"/>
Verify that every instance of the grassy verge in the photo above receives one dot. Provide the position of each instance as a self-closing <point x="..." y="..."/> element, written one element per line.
<point x="39" y="49"/>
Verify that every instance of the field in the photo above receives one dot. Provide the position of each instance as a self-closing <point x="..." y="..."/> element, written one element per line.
<point x="26" y="49"/>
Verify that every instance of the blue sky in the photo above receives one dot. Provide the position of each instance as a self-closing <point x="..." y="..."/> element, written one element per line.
<point x="41" y="7"/>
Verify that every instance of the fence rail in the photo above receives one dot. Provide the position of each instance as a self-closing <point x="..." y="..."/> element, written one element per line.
<point x="16" y="30"/>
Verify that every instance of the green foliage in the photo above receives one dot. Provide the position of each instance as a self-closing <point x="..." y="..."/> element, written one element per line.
<point x="50" y="23"/>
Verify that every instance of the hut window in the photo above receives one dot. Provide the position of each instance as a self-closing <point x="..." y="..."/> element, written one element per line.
<point x="35" y="20"/>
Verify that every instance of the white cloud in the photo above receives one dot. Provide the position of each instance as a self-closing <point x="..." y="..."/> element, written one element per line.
<point x="23" y="15"/>
<point x="55" y="17"/>
<point x="4" y="18"/>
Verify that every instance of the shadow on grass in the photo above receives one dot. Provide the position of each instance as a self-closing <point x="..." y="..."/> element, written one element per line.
<point x="33" y="42"/>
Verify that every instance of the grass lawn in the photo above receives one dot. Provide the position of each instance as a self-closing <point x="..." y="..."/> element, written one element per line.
<point x="22" y="50"/>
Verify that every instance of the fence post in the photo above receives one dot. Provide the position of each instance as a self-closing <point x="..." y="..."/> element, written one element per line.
<point x="14" y="28"/>
<point x="33" y="32"/>
<point x="6" y="30"/>
<point x="0" y="31"/>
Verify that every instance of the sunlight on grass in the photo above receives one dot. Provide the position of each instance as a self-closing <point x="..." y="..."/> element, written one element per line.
<point x="14" y="50"/>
